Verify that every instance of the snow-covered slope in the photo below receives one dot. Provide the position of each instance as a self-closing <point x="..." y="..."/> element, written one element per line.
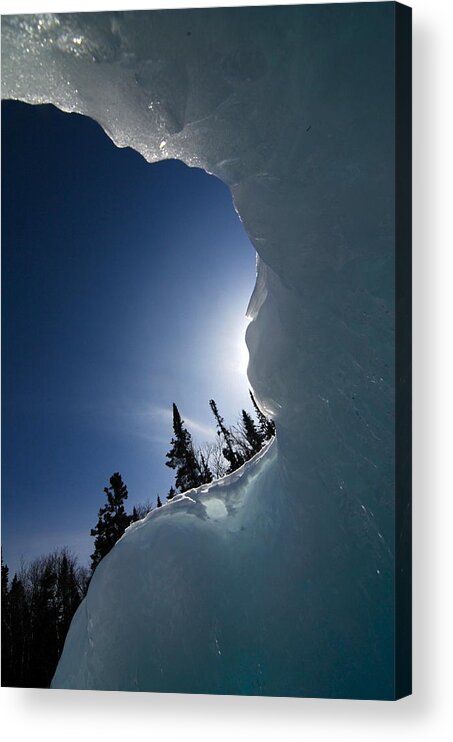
<point x="281" y="581"/>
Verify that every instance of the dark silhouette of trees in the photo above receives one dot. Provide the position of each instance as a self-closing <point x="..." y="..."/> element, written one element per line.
<point x="141" y="510"/>
<point x="213" y="455"/>
<point x="6" y="621"/>
<point x="44" y="617"/>
<point x="70" y="586"/>
<point x="36" y="613"/>
<point x="265" y="424"/>
<point x="5" y="590"/>
<point x="253" y="437"/>
<point x="206" y="472"/>
<point x="5" y="578"/>
<point x="213" y="460"/>
<point x="113" y="520"/>
<point x="182" y="457"/>
<point x="16" y="642"/>
<point x="39" y="603"/>
<point x="232" y="455"/>
<point x="171" y="493"/>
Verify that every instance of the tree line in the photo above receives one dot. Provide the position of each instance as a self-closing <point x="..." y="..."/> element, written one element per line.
<point x="193" y="467"/>
<point x="37" y="609"/>
<point x="233" y="447"/>
<point x="39" y="602"/>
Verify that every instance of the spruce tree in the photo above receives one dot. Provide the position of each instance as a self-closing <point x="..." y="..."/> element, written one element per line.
<point x="265" y="424"/>
<point x="230" y="452"/>
<point x="141" y="510"/>
<point x="255" y="438"/>
<point x="171" y="493"/>
<point x="182" y="458"/>
<point x="159" y="503"/>
<point x="113" y="520"/>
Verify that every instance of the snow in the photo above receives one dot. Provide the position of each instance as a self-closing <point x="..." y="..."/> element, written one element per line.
<point x="279" y="579"/>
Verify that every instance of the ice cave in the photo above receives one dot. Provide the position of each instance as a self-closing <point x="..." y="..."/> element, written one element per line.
<point x="278" y="580"/>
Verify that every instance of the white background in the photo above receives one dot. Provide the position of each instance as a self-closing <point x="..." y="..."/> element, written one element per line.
<point x="73" y="715"/>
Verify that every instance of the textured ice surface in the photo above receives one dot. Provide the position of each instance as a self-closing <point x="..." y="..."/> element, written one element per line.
<point x="279" y="581"/>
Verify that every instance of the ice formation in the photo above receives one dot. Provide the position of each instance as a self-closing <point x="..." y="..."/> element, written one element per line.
<point x="280" y="579"/>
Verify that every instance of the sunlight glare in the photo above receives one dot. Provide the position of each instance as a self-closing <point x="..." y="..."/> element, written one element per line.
<point x="239" y="359"/>
<point x="242" y="353"/>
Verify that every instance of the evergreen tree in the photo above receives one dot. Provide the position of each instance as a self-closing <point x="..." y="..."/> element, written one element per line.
<point x="254" y="438"/>
<point x="159" y="503"/>
<point x="18" y="636"/>
<point x="41" y="603"/>
<point x="113" y="520"/>
<point x="230" y="452"/>
<point x="6" y="625"/>
<point x="141" y="510"/>
<point x="182" y="458"/>
<point x="265" y="424"/>
<point x="5" y="579"/>
<point x="171" y="493"/>
<point x="204" y="468"/>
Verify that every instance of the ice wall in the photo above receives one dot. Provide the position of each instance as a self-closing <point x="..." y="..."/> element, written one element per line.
<point x="293" y="107"/>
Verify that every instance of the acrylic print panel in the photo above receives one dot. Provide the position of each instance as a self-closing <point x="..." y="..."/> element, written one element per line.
<point x="290" y="575"/>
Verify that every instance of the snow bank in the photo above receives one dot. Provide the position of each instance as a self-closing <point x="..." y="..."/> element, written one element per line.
<point x="279" y="581"/>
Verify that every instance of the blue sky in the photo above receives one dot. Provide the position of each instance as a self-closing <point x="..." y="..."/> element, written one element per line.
<point x="124" y="288"/>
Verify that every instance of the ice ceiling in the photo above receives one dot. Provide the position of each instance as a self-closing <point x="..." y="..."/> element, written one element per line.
<point x="280" y="581"/>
